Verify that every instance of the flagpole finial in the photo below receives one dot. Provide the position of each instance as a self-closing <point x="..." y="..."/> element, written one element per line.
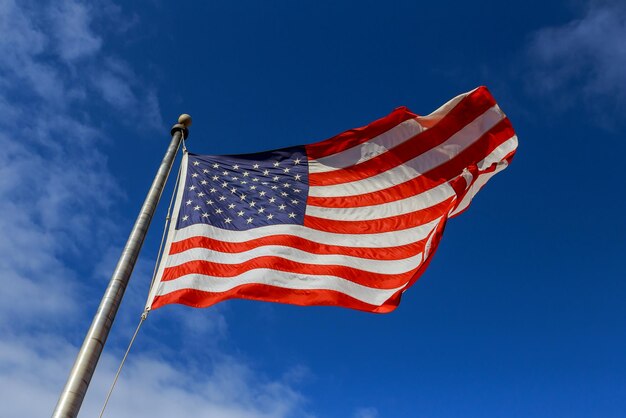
<point x="184" y="122"/>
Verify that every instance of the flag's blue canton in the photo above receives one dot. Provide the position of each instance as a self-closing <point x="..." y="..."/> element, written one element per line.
<point x="245" y="191"/>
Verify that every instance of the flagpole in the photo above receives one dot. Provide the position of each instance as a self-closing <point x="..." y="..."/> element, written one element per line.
<point x="78" y="381"/>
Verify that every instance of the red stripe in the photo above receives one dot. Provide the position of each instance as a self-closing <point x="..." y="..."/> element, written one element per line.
<point x="460" y="116"/>
<point x="374" y="226"/>
<point x="266" y="293"/>
<point x="383" y="253"/>
<point x="364" y="278"/>
<point x="473" y="154"/>
<point x="357" y="136"/>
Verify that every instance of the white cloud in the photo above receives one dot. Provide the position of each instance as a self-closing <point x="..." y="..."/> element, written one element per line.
<point x="366" y="413"/>
<point x="55" y="196"/>
<point x="32" y="369"/>
<point x="582" y="62"/>
<point x="72" y="32"/>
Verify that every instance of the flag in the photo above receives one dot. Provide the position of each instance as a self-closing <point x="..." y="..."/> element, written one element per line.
<point x="351" y="221"/>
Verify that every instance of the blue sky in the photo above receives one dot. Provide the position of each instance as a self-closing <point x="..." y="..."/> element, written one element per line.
<point x="521" y="312"/>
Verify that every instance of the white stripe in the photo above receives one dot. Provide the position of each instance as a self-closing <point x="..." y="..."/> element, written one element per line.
<point x="299" y="256"/>
<point x="281" y="279"/>
<point x="368" y="150"/>
<point x="431" y="120"/>
<point x="499" y="153"/>
<point x="481" y="180"/>
<point x="418" y="165"/>
<point x="399" y="207"/>
<point x="380" y="240"/>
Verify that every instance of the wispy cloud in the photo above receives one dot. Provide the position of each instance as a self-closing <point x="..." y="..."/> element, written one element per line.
<point x="366" y="413"/>
<point x="71" y="22"/>
<point x="149" y="387"/>
<point x="582" y="62"/>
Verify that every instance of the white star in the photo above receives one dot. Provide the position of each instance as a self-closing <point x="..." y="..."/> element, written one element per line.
<point x="209" y="202"/>
<point x="205" y="215"/>
<point x="276" y="164"/>
<point x="212" y="189"/>
<point x="240" y="213"/>
<point x="222" y="198"/>
<point x="255" y="166"/>
<point x="185" y="217"/>
<point x="236" y="167"/>
<point x="286" y="185"/>
<point x="249" y="220"/>
<point x="292" y="215"/>
<point x="246" y="174"/>
<point x="261" y="210"/>
<point x="235" y="178"/>
<point x="196" y="207"/>
<point x="205" y="171"/>
<point x="192" y="187"/>
<point x="294" y="201"/>
<point x="298" y="176"/>
<point x="296" y="161"/>
<point x="275" y="178"/>
<point x="264" y="183"/>
<point x="215" y="178"/>
<point x="262" y="193"/>
<point x="296" y="190"/>
<point x="224" y="173"/>
<point x="218" y="211"/>
<point x="272" y="200"/>
<point x="255" y="179"/>
<point x="227" y="220"/>
<point x="188" y="202"/>
<point x="274" y="187"/>
<point x="233" y="190"/>
<point x="284" y="194"/>
<point x="244" y="182"/>
<point x="286" y="170"/>
<point x="195" y="175"/>
<point x="252" y="187"/>
<point x="252" y="204"/>
<point x="203" y="182"/>
<point x="243" y="196"/>
<point x="270" y="216"/>
<point x="216" y="165"/>
<point x="200" y="194"/>
<point x="231" y="206"/>
<point x="225" y="184"/>
<point x="282" y="207"/>
<point x="196" y="163"/>
<point x="266" y="172"/>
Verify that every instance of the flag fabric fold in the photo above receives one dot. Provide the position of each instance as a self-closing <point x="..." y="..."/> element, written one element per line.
<point x="351" y="221"/>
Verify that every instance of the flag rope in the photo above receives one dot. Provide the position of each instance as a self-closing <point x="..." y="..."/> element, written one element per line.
<point x="166" y="225"/>
<point x="144" y="315"/>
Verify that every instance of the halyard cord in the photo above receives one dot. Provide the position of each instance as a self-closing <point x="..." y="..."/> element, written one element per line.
<point x="165" y="226"/>
<point x="144" y="314"/>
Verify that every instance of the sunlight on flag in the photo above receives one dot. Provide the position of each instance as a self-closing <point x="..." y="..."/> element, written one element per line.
<point x="351" y="221"/>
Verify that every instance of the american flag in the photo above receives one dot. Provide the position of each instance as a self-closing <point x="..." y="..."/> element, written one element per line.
<point x="352" y="221"/>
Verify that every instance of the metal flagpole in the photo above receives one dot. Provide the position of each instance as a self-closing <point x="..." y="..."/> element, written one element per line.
<point x="76" y="386"/>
